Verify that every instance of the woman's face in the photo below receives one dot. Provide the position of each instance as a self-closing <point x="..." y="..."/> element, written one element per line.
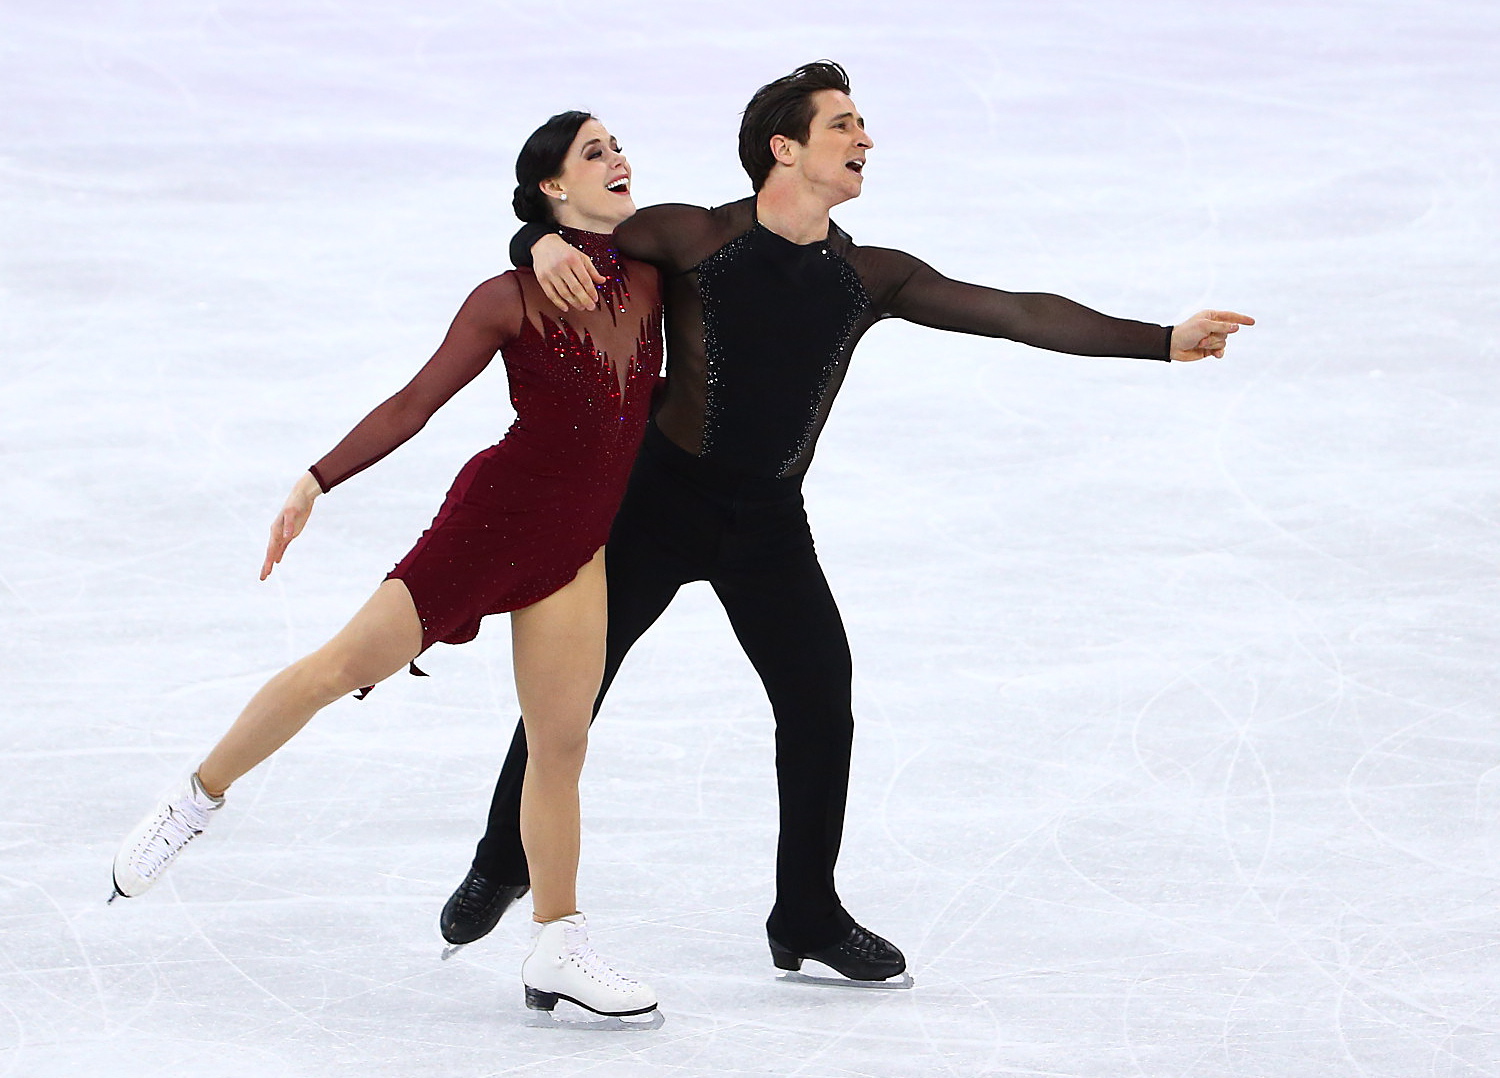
<point x="595" y="177"/>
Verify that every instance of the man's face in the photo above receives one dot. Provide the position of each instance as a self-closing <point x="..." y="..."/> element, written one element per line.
<point x="833" y="159"/>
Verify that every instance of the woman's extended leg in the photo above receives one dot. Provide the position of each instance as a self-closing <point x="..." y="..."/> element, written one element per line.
<point x="383" y="637"/>
<point x="380" y="639"/>
<point x="558" y="647"/>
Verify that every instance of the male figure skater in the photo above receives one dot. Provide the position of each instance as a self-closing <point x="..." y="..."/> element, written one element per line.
<point x="765" y="300"/>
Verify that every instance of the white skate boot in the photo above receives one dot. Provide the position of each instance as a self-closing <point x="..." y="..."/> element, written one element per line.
<point x="147" y="851"/>
<point x="562" y="965"/>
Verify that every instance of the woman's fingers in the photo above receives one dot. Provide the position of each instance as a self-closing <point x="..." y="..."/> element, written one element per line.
<point x="284" y="529"/>
<point x="274" y="549"/>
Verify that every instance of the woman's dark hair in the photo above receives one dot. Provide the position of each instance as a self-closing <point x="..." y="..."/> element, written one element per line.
<point x="784" y="107"/>
<point x="540" y="159"/>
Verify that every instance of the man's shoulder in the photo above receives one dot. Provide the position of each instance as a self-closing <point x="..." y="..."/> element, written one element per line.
<point x="679" y="235"/>
<point x="668" y="209"/>
<point x="687" y="210"/>
<point x="866" y="258"/>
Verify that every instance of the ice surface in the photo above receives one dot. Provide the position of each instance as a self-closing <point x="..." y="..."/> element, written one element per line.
<point x="1176" y="686"/>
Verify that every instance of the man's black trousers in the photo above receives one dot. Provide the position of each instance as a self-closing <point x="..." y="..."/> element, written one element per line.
<point x="685" y="519"/>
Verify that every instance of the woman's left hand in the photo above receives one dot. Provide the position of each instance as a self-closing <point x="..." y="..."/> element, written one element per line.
<point x="1205" y="333"/>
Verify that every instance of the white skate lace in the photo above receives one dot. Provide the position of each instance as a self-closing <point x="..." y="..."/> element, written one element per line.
<point x="177" y="827"/>
<point x="589" y="962"/>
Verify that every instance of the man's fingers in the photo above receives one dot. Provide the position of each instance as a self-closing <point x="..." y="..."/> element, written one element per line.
<point x="550" y="291"/>
<point x="586" y="270"/>
<point x="1231" y="316"/>
<point x="581" y="289"/>
<point x="588" y="278"/>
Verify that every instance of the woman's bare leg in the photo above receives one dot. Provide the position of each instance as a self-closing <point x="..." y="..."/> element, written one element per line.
<point x="558" y="647"/>
<point x="383" y="637"/>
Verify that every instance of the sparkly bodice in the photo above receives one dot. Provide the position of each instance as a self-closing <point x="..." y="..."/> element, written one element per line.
<point x="581" y="381"/>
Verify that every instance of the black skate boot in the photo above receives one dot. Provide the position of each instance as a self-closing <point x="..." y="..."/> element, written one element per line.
<point x="864" y="959"/>
<point x="475" y="908"/>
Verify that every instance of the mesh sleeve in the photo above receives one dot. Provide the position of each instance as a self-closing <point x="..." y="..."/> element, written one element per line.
<point x="489" y="318"/>
<point x="672" y="237"/>
<point x="919" y="293"/>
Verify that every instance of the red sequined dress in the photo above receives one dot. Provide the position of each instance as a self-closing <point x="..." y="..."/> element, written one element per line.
<point x="526" y="514"/>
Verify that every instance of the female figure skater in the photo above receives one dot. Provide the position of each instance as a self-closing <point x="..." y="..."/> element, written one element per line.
<point x="522" y="530"/>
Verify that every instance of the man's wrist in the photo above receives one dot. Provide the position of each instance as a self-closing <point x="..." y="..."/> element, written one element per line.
<point x="527" y="237"/>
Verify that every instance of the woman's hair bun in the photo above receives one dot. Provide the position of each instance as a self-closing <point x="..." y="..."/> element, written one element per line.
<point x="540" y="159"/>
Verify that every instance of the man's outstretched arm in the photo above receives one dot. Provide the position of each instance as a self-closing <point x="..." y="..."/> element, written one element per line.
<point x="918" y="293"/>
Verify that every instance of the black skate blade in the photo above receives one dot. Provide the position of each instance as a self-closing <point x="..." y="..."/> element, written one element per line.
<point x="452" y="949"/>
<point x="582" y="1019"/>
<point x="890" y="984"/>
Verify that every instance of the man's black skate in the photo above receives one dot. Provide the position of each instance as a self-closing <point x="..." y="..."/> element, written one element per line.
<point x="864" y="959"/>
<point x="475" y="908"/>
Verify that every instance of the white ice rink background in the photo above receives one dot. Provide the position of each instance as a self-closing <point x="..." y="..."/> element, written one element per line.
<point x="1175" y="686"/>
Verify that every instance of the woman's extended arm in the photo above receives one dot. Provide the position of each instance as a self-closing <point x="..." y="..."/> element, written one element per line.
<point x="488" y="319"/>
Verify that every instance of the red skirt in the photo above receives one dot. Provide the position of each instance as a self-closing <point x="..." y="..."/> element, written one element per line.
<point x="516" y="526"/>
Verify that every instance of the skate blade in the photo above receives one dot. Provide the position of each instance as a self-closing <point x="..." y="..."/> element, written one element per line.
<point x="452" y="949"/>
<point x="599" y="1023"/>
<point x="891" y="984"/>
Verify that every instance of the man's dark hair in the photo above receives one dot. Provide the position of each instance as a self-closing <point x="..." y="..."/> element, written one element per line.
<point x="784" y="107"/>
<point x="540" y="159"/>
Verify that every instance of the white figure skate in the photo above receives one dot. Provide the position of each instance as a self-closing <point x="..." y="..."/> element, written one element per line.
<point x="157" y="840"/>
<point x="562" y="965"/>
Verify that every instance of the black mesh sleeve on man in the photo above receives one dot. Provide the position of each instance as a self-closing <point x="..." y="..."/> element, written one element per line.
<point x="663" y="235"/>
<point x="918" y="293"/>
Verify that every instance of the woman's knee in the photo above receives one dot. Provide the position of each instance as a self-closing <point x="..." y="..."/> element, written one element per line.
<point x="330" y="674"/>
<point x="553" y="745"/>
